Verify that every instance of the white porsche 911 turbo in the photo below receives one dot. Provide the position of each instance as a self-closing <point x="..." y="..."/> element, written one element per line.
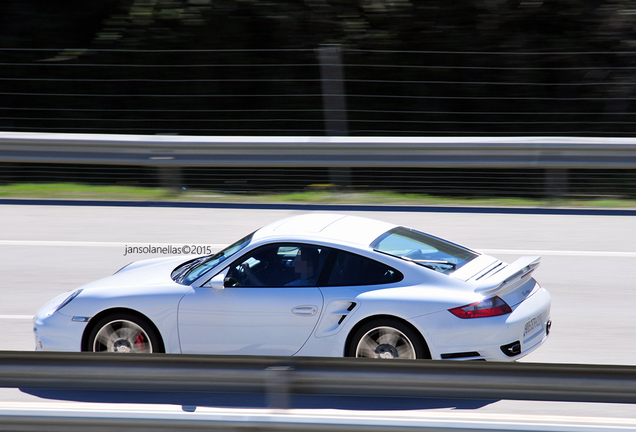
<point x="311" y="285"/>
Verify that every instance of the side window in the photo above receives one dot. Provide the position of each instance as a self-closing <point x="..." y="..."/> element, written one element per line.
<point x="278" y="265"/>
<point x="350" y="269"/>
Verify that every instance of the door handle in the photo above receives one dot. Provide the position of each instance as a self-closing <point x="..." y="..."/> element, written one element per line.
<point x="305" y="310"/>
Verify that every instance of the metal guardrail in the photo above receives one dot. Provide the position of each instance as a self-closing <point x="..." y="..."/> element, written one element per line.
<point x="182" y="151"/>
<point x="64" y="419"/>
<point x="284" y="377"/>
<point x="281" y="379"/>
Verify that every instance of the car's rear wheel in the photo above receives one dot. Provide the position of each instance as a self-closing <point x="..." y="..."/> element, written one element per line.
<point x="124" y="333"/>
<point x="387" y="339"/>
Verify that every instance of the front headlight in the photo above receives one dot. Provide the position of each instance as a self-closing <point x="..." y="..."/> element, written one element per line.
<point x="68" y="299"/>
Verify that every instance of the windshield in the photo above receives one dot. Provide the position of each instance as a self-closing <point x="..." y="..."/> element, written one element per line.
<point x="190" y="271"/>
<point x="423" y="249"/>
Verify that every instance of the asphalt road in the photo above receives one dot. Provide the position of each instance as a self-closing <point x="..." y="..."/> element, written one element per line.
<point x="588" y="265"/>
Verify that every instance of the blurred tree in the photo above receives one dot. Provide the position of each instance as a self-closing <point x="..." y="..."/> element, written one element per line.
<point x="592" y="74"/>
<point x="52" y="24"/>
<point x="458" y="25"/>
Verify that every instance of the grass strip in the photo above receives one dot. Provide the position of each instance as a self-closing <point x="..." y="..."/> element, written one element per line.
<point x="311" y="195"/>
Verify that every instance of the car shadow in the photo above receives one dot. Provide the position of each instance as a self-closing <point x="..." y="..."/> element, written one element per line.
<point x="252" y="400"/>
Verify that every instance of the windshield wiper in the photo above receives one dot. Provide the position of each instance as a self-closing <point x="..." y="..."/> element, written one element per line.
<point x="424" y="262"/>
<point x="186" y="269"/>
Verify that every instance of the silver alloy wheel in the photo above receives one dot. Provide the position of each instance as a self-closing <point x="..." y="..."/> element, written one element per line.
<point x="385" y="342"/>
<point x="122" y="336"/>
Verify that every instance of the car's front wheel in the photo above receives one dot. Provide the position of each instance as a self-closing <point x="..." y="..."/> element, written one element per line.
<point x="124" y="333"/>
<point x="387" y="339"/>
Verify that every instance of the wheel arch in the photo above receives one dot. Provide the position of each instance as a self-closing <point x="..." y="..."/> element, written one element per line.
<point x="371" y="318"/>
<point x="113" y="311"/>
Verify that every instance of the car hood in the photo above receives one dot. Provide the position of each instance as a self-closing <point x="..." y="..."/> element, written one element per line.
<point x="139" y="273"/>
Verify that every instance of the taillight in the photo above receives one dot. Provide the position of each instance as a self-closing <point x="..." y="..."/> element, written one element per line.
<point x="490" y="307"/>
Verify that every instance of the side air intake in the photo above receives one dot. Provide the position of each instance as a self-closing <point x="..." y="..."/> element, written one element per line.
<point x="335" y="314"/>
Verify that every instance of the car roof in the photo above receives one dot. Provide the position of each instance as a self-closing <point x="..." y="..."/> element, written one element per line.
<point x="326" y="226"/>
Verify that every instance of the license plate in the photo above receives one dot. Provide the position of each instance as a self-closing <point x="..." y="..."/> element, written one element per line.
<point x="532" y="327"/>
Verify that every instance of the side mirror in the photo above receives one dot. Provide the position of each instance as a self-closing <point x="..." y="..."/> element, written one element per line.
<point x="217" y="282"/>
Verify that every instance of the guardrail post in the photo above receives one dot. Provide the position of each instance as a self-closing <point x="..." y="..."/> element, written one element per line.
<point x="170" y="177"/>
<point x="278" y="386"/>
<point x="556" y="182"/>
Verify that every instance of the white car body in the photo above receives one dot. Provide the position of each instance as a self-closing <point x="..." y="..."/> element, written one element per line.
<point x="204" y="317"/>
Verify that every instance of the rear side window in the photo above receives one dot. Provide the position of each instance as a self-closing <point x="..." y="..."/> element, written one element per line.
<point x="350" y="269"/>
<point x="424" y="249"/>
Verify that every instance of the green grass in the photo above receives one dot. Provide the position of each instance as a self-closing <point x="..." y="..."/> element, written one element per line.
<point x="78" y="191"/>
<point x="325" y="196"/>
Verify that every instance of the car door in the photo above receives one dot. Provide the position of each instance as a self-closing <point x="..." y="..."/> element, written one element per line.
<point x="262" y="310"/>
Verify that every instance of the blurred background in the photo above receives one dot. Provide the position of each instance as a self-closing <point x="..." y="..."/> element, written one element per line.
<point x="376" y="68"/>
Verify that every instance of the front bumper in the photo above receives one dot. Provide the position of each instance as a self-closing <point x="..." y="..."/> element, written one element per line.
<point x="56" y="332"/>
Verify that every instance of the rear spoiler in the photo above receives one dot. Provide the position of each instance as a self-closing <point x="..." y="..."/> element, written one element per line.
<point x="509" y="277"/>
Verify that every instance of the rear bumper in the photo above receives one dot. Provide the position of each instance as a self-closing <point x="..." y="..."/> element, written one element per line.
<point x="449" y="337"/>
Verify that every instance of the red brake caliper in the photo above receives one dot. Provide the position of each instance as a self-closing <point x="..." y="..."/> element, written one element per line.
<point x="140" y="340"/>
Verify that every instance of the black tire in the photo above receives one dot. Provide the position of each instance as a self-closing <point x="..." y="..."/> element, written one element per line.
<point x="124" y="332"/>
<point x="387" y="338"/>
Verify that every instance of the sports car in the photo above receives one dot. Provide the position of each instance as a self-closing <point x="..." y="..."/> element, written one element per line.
<point x="311" y="285"/>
